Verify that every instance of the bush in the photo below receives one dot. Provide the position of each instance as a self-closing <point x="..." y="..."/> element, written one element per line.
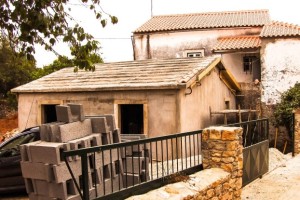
<point x="290" y="100"/>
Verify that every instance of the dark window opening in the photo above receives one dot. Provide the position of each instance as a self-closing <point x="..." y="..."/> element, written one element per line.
<point x="194" y="54"/>
<point x="248" y="60"/>
<point x="132" y="119"/>
<point x="49" y="113"/>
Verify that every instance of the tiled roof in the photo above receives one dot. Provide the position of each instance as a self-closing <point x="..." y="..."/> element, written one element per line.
<point x="205" y="20"/>
<point x="237" y="43"/>
<point x="130" y="75"/>
<point x="280" y="29"/>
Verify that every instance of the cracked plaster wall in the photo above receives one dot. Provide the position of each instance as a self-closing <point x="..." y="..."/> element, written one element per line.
<point x="280" y="68"/>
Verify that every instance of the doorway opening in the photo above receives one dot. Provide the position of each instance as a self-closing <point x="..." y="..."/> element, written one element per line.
<point x="132" y="118"/>
<point x="49" y="113"/>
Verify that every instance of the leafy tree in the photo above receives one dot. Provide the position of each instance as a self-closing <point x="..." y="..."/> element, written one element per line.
<point x="15" y="69"/>
<point x="31" y="22"/>
<point x="60" y="63"/>
<point x="290" y="100"/>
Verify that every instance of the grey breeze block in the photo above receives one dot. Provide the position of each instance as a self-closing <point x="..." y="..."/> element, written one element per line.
<point x="74" y="130"/>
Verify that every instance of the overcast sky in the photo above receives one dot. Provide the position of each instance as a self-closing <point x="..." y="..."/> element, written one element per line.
<point x="115" y="39"/>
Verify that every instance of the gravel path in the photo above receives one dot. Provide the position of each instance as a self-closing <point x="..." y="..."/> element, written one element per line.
<point x="280" y="183"/>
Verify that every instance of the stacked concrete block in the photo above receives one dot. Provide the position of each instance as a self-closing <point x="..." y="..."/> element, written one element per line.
<point x="135" y="161"/>
<point x="51" y="178"/>
<point x="109" y="161"/>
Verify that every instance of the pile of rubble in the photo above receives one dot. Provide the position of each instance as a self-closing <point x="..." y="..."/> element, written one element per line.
<point x="277" y="158"/>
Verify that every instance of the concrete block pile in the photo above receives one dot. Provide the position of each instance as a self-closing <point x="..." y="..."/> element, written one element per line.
<point x="46" y="174"/>
<point x="135" y="161"/>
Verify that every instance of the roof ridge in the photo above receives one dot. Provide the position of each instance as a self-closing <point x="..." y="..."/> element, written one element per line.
<point x="212" y="13"/>
<point x="240" y="36"/>
<point x="283" y="24"/>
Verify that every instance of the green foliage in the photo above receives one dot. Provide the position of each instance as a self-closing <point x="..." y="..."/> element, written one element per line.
<point x="60" y="63"/>
<point x="15" y="69"/>
<point x="45" y="21"/>
<point x="290" y="100"/>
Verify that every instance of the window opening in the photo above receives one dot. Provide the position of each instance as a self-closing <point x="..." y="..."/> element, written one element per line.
<point x="248" y="61"/>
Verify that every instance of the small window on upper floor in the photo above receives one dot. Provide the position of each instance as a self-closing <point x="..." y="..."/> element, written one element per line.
<point x="247" y="61"/>
<point x="195" y="53"/>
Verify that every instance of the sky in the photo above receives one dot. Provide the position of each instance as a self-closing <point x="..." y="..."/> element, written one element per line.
<point x="115" y="40"/>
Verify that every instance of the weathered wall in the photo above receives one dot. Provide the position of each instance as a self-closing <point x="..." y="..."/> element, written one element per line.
<point x="234" y="62"/>
<point x="174" y="44"/>
<point x="161" y="106"/>
<point x="194" y="108"/>
<point x="280" y="63"/>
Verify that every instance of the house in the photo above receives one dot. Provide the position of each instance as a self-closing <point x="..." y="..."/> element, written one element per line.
<point x="261" y="54"/>
<point x="151" y="97"/>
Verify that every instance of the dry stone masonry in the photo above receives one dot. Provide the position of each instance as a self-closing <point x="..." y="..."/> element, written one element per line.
<point x="297" y="132"/>
<point x="222" y="148"/>
<point x="46" y="174"/>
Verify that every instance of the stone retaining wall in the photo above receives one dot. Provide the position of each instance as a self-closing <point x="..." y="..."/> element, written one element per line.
<point x="297" y="132"/>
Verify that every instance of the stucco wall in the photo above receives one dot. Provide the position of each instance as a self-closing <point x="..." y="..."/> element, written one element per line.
<point x="173" y="44"/>
<point x="280" y="67"/>
<point x="234" y="62"/>
<point x="194" y="112"/>
<point x="161" y="106"/>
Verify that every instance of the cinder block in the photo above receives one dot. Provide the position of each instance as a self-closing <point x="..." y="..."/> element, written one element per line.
<point x="110" y="185"/>
<point x="131" y="179"/>
<point x="29" y="185"/>
<point x="132" y="137"/>
<point x="39" y="171"/>
<point x="55" y="190"/>
<point x="61" y="172"/>
<point x="85" y="142"/>
<point x="77" y="112"/>
<point x="74" y="130"/>
<point x="118" y="167"/>
<point x="116" y="138"/>
<point x="50" y="131"/>
<point x="99" y="125"/>
<point x="24" y="151"/>
<point x="63" y="113"/>
<point x="107" y="156"/>
<point x="105" y="138"/>
<point x="47" y="152"/>
<point x="96" y="177"/>
<point x="135" y="165"/>
<point x="33" y="196"/>
<point x="110" y="119"/>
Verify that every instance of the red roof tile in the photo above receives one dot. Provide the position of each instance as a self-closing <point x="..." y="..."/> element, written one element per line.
<point x="280" y="29"/>
<point x="205" y="20"/>
<point x="238" y="42"/>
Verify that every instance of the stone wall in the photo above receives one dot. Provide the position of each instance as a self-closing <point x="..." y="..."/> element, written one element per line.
<point x="222" y="148"/>
<point x="221" y="178"/>
<point x="297" y="132"/>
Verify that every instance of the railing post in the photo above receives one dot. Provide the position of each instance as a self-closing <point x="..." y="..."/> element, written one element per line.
<point x="85" y="178"/>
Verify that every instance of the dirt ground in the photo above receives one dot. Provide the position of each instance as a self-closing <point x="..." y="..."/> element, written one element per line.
<point x="8" y="124"/>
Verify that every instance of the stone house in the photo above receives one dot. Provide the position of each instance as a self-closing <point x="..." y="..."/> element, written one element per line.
<point x="252" y="46"/>
<point x="151" y="97"/>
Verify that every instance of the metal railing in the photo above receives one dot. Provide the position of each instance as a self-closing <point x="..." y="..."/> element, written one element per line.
<point x="120" y="170"/>
<point x="254" y="131"/>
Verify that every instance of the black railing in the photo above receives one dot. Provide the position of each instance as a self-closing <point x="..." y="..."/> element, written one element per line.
<point x="254" y="131"/>
<point x="120" y="170"/>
